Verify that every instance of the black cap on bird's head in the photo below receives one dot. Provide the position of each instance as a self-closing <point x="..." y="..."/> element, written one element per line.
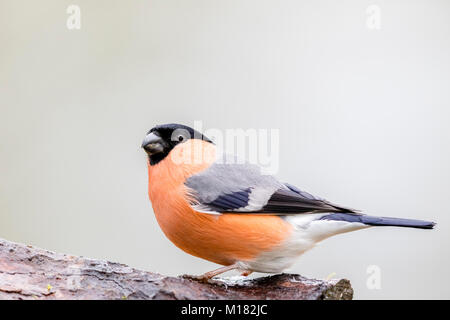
<point x="160" y="140"/>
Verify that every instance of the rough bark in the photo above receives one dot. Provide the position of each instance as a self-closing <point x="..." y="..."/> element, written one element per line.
<point x="32" y="273"/>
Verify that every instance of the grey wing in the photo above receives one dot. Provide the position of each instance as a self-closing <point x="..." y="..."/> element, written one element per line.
<point x="242" y="188"/>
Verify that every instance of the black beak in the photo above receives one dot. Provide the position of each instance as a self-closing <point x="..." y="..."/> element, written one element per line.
<point x="153" y="144"/>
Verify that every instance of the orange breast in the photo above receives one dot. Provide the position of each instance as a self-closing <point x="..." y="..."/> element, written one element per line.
<point x="222" y="239"/>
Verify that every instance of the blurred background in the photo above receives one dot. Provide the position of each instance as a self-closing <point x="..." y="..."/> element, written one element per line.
<point x="362" y="103"/>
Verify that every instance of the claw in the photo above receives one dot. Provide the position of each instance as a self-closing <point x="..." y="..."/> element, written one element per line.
<point x="202" y="278"/>
<point x="209" y="275"/>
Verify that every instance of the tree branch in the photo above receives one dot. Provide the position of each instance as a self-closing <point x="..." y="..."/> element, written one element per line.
<point x="31" y="273"/>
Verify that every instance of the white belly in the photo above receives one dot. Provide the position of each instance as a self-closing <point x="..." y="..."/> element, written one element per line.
<point x="307" y="232"/>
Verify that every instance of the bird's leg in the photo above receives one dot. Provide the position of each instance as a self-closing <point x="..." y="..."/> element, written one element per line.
<point x="213" y="273"/>
<point x="210" y="274"/>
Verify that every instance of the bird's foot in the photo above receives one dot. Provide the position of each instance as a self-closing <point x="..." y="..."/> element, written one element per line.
<point x="209" y="275"/>
<point x="201" y="278"/>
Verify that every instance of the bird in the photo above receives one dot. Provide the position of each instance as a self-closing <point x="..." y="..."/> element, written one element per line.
<point x="216" y="207"/>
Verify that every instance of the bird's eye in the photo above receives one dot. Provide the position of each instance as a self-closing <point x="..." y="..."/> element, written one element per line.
<point x="179" y="135"/>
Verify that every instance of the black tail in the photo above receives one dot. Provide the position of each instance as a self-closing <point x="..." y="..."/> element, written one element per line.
<point x="380" y="221"/>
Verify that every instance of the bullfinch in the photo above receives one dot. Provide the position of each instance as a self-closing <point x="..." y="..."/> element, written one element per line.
<point x="213" y="206"/>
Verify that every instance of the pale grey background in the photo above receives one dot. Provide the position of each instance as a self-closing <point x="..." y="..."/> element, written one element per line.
<point x="363" y="118"/>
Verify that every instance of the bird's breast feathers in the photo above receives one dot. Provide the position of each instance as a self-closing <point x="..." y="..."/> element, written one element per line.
<point x="223" y="239"/>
